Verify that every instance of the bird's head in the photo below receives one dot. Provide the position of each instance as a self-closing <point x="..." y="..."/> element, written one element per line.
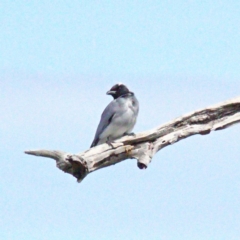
<point x="118" y="90"/>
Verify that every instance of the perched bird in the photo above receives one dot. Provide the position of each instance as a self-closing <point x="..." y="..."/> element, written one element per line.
<point x="119" y="117"/>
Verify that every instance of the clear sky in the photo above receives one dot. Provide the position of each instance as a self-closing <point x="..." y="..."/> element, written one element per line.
<point x="58" y="59"/>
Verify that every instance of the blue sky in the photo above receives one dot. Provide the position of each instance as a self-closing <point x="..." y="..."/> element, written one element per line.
<point x="57" y="61"/>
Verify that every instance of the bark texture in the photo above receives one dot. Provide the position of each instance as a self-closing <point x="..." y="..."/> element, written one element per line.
<point x="143" y="146"/>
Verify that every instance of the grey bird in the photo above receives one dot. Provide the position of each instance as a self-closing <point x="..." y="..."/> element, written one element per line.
<point x="119" y="117"/>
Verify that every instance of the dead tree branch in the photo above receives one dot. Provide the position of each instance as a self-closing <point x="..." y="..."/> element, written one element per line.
<point x="143" y="146"/>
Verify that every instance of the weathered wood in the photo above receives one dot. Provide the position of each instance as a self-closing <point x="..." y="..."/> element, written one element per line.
<point x="143" y="146"/>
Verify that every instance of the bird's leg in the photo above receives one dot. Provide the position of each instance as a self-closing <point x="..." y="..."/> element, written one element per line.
<point x="129" y="134"/>
<point x="109" y="143"/>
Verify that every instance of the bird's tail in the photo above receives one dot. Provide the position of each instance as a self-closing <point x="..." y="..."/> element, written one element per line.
<point x="94" y="143"/>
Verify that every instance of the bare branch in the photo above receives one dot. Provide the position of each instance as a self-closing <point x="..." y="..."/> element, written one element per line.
<point x="144" y="145"/>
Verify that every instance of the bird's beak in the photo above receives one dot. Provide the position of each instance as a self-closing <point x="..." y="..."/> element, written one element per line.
<point x="111" y="92"/>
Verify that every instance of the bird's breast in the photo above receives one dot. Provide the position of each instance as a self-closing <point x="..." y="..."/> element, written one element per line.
<point x="132" y="104"/>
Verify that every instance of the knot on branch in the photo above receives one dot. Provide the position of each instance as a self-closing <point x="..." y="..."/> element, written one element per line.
<point x="79" y="166"/>
<point x="143" y="153"/>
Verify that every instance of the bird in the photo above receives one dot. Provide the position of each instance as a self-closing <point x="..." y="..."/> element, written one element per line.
<point x="119" y="117"/>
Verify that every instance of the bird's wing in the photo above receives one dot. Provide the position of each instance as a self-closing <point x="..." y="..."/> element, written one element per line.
<point x="106" y="119"/>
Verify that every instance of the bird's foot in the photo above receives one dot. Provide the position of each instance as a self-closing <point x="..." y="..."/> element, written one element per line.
<point x="108" y="142"/>
<point x="129" y="134"/>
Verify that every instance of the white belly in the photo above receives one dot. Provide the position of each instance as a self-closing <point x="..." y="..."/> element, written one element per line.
<point x="119" y="126"/>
